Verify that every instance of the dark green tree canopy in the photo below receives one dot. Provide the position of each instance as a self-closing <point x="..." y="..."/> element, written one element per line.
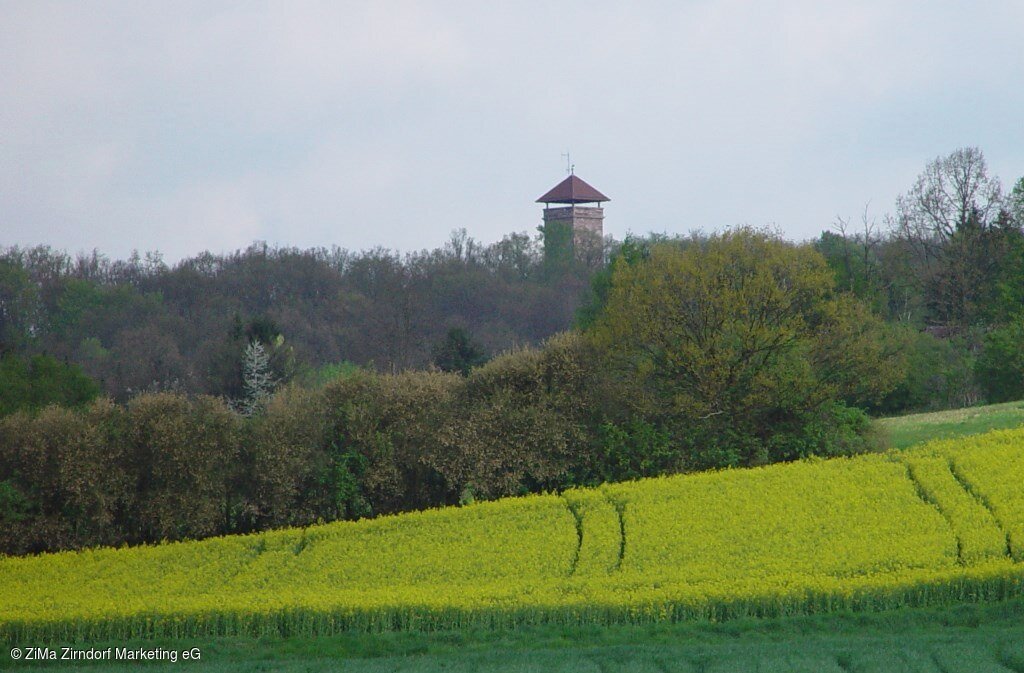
<point x="458" y="352"/>
<point x="41" y="380"/>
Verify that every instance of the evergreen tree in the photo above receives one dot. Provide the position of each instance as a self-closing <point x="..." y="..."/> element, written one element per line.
<point x="458" y="353"/>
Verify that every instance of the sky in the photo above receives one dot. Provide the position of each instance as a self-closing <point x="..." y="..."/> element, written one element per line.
<point x="191" y="126"/>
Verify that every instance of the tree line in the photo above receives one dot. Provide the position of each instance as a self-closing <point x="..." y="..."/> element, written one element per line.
<point x="728" y="350"/>
<point x="947" y="265"/>
<point x="484" y="372"/>
<point x="948" y="268"/>
<point x="139" y="325"/>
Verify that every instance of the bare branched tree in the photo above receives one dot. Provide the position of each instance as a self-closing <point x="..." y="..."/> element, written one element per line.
<point x="952" y="194"/>
<point x="946" y="223"/>
<point x="860" y="250"/>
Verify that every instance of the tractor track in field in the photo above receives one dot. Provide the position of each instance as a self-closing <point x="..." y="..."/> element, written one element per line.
<point x="950" y="518"/>
<point x="578" y="517"/>
<point x="983" y="501"/>
<point x="620" y="511"/>
<point x="923" y="495"/>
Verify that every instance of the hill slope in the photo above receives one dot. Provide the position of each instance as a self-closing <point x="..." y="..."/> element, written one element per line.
<point x="905" y="431"/>
<point x="939" y="523"/>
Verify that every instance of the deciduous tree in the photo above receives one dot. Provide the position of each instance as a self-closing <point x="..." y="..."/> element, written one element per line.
<point x="738" y="338"/>
<point x="954" y="224"/>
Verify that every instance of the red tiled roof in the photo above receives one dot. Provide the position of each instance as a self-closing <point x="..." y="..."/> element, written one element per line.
<point x="573" y="190"/>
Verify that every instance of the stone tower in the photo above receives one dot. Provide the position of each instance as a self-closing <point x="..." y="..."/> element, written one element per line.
<point x="573" y="230"/>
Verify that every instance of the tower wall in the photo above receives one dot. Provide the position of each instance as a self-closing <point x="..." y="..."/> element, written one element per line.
<point x="586" y="224"/>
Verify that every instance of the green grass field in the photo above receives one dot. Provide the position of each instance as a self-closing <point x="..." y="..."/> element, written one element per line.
<point x="972" y="637"/>
<point x="903" y="431"/>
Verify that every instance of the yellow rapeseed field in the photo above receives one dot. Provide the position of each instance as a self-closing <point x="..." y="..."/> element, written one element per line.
<point x="940" y="523"/>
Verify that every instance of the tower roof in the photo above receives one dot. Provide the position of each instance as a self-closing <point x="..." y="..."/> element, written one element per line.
<point x="573" y="190"/>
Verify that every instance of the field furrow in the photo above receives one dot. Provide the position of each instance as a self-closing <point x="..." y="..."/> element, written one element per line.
<point x="599" y="531"/>
<point x="978" y="534"/>
<point x="996" y="477"/>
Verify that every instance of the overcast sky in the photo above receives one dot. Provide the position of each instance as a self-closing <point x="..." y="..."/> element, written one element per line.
<point x="184" y="127"/>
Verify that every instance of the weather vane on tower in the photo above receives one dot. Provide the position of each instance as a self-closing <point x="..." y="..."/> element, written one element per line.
<point x="570" y="168"/>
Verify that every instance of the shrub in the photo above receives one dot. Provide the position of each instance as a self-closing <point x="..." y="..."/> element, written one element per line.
<point x="184" y="453"/>
<point x="288" y="459"/>
<point x="518" y="423"/>
<point x="64" y="483"/>
<point x="939" y="374"/>
<point x="381" y="429"/>
<point x="634" y="449"/>
<point x="999" y="369"/>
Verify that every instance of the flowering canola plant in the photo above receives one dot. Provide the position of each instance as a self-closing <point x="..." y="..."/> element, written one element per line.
<point x="941" y="523"/>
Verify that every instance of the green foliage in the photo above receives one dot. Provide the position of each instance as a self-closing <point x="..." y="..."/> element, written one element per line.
<point x="286" y="462"/>
<point x="855" y="262"/>
<point x="630" y="252"/>
<point x="558" y="247"/>
<point x="517" y="423"/>
<point x="15" y="507"/>
<point x="939" y="374"/>
<point x="1008" y="287"/>
<point x="693" y="323"/>
<point x="738" y="340"/>
<point x="185" y="456"/>
<point x="66" y="478"/>
<point x="321" y="376"/>
<point x="38" y="381"/>
<point x="262" y="328"/>
<point x="302" y="470"/>
<point x="1015" y="203"/>
<point x="966" y="288"/>
<point x="342" y="480"/>
<point x="1000" y="366"/>
<point x="384" y="429"/>
<point x="832" y="430"/>
<point x="634" y="449"/>
<point x="19" y="306"/>
<point x="458" y="353"/>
